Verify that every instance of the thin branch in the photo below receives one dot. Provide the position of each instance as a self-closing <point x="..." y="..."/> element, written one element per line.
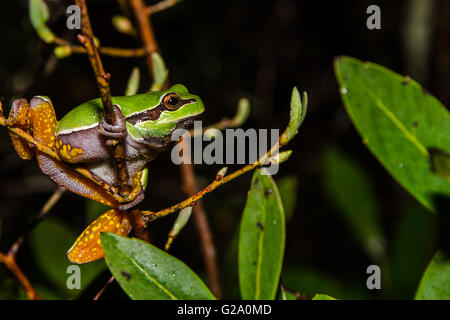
<point x="97" y="296"/>
<point x="160" y="6"/>
<point x="221" y="179"/>
<point x="146" y="31"/>
<point x="10" y="262"/>
<point x="273" y="156"/>
<point x="10" y="259"/>
<point x="87" y="39"/>
<point x="187" y="172"/>
<point x="108" y="51"/>
<point x="49" y="204"/>
<point x="204" y="231"/>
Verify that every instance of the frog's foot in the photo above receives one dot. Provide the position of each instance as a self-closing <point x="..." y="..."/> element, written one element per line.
<point x="133" y="203"/>
<point x="88" y="247"/>
<point x="19" y="117"/>
<point x="116" y="130"/>
<point x="133" y="198"/>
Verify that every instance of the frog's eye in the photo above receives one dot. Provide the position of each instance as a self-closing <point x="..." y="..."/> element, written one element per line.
<point x="172" y="101"/>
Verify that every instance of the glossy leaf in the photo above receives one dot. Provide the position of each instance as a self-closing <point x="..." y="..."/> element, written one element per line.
<point x="145" y="272"/>
<point x="351" y="192"/>
<point x="399" y="122"/>
<point x="435" y="283"/>
<point x="261" y="240"/>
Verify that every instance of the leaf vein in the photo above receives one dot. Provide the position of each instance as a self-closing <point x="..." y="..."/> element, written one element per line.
<point x="152" y="279"/>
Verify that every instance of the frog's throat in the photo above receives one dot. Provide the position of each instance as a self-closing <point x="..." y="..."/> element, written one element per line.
<point x="158" y="143"/>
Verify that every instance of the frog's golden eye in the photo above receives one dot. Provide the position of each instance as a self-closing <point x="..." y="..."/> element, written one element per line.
<point x="172" y="101"/>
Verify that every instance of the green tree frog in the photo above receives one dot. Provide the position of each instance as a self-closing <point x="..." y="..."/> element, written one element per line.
<point x="85" y="166"/>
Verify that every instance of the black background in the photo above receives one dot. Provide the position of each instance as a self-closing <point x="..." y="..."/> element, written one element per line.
<point x="224" y="50"/>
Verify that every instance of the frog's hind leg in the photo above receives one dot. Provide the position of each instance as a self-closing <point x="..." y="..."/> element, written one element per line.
<point x="88" y="247"/>
<point x="43" y="122"/>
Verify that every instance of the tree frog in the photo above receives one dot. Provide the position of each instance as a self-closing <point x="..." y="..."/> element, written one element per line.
<point x="80" y="139"/>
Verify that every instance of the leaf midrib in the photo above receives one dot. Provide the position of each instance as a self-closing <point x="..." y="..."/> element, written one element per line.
<point x="164" y="289"/>
<point x="260" y="249"/>
<point x="391" y="116"/>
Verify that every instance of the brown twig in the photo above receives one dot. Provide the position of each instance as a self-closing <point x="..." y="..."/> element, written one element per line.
<point x="192" y="201"/>
<point x="54" y="198"/>
<point x="10" y="258"/>
<point x="108" y="51"/>
<point x="110" y="280"/>
<point x="10" y="262"/>
<point x="87" y="39"/>
<point x="146" y="31"/>
<point x="187" y="172"/>
<point x="160" y="6"/>
<point x="204" y="231"/>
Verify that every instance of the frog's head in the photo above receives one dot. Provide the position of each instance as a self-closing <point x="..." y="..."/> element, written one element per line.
<point x="173" y="108"/>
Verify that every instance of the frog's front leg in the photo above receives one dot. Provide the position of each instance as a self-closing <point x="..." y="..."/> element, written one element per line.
<point x="117" y="130"/>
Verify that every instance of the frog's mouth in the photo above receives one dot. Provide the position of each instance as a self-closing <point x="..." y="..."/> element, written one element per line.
<point x="186" y="124"/>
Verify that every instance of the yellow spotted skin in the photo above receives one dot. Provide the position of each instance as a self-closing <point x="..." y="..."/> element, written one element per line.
<point x="66" y="151"/>
<point x="19" y="117"/>
<point x="38" y="119"/>
<point x="87" y="247"/>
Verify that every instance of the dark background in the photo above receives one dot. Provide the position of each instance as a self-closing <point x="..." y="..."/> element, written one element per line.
<point x="222" y="51"/>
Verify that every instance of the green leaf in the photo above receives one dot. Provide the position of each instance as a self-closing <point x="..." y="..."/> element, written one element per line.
<point x="350" y="190"/>
<point x="62" y="52"/>
<point x="49" y="243"/>
<point x="435" y="283"/>
<point x="261" y="240"/>
<point x="242" y="113"/>
<point x="124" y="25"/>
<point x="323" y="297"/>
<point x="412" y="249"/>
<point x="288" y="187"/>
<point x="39" y="15"/>
<point x="399" y="122"/>
<point x="145" y="272"/>
<point x="133" y="82"/>
<point x="297" y="115"/>
<point x="160" y="73"/>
